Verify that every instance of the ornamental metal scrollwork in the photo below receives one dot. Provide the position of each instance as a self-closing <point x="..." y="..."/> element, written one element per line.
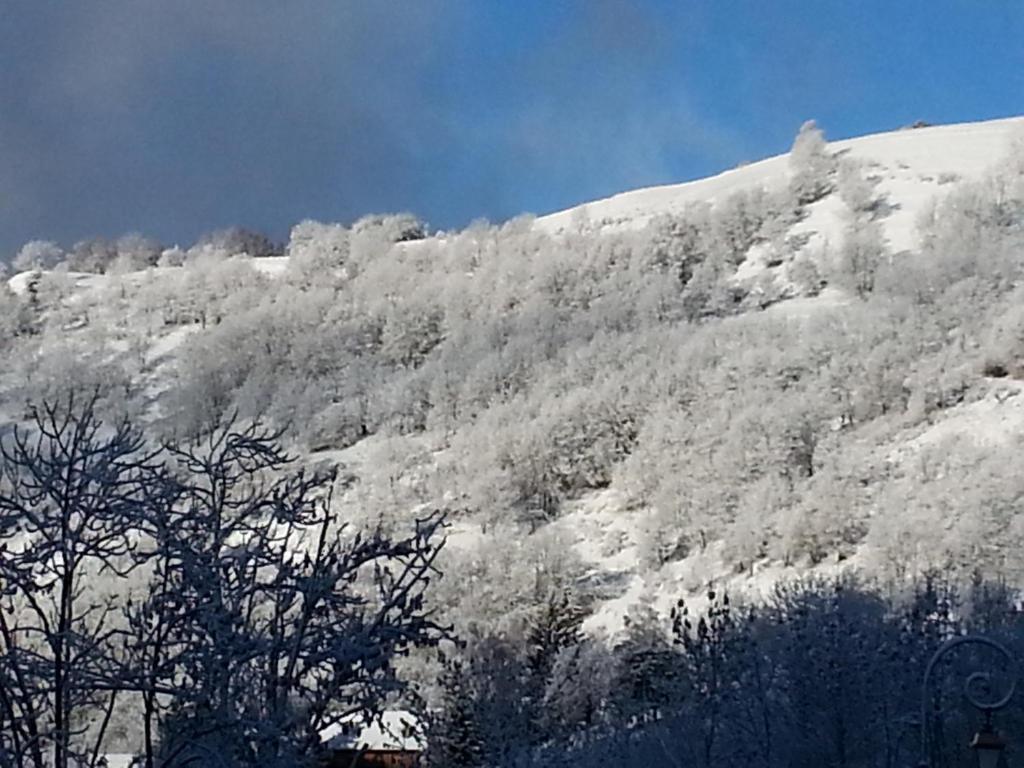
<point x="977" y="687"/>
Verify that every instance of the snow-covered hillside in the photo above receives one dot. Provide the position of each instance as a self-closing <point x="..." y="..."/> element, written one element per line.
<point x="912" y="165"/>
<point x="452" y="371"/>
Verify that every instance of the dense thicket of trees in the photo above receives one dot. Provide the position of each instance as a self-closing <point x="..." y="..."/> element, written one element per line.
<point x="821" y="673"/>
<point x="539" y="367"/>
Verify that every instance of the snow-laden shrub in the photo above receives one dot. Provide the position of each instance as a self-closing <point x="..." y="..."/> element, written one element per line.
<point x="38" y="254"/>
<point x="859" y="257"/>
<point x="233" y="241"/>
<point x="855" y="189"/>
<point x="391" y="227"/>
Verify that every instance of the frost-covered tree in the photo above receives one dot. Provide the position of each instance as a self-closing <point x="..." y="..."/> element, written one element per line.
<point x="233" y="241"/>
<point x="38" y="254"/>
<point x="389" y="228"/>
<point x="172" y="257"/>
<point x="804" y="273"/>
<point x="93" y="254"/>
<point x="135" y="252"/>
<point x="17" y="318"/>
<point x="746" y="217"/>
<point x="318" y="254"/>
<point x="855" y="189"/>
<point x="72" y="497"/>
<point x="709" y="294"/>
<point x="861" y="255"/>
<point x="678" y="243"/>
<point x="811" y="165"/>
<point x="281" y="620"/>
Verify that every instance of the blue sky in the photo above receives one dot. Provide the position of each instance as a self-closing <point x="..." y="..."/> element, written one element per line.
<point x="177" y="117"/>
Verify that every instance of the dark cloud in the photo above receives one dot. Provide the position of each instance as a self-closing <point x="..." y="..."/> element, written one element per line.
<point x="173" y="117"/>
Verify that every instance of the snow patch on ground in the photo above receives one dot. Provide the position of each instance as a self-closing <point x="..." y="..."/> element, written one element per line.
<point x="805" y="307"/>
<point x="271" y="266"/>
<point x="20" y="282"/>
<point x="995" y="421"/>
<point x="635" y="208"/>
<point x="79" y="282"/>
<point x="164" y="347"/>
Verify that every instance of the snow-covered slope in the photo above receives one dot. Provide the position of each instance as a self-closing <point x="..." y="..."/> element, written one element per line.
<point x="912" y="166"/>
<point x="912" y="169"/>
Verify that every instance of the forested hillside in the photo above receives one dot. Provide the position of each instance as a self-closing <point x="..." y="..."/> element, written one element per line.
<point x="809" y="365"/>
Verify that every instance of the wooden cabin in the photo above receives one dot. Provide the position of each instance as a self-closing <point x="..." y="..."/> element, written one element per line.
<point x="393" y="739"/>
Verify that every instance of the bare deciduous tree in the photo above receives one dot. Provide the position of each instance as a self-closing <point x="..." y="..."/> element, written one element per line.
<point x="71" y="493"/>
<point x="273" y="620"/>
<point x="265" y="619"/>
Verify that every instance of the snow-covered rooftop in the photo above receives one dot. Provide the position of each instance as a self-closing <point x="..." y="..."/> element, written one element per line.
<point x="394" y="730"/>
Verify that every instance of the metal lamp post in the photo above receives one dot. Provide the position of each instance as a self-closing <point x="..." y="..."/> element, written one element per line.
<point x="987" y="743"/>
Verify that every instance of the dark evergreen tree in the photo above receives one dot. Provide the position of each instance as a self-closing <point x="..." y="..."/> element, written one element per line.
<point x="649" y="671"/>
<point x="455" y="738"/>
<point x="556" y="625"/>
<point x="708" y="653"/>
<point x="554" y="628"/>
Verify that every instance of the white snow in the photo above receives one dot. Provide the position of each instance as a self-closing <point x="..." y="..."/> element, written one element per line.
<point x="994" y="421"/>
<point x="165" y="346"/>
<point x="392" y="731"/>
<point x="803" y="307"/>
<point x="78" y="281"/>
<point x="271" y="266"/>
<point x="911" y="164"/>
<point x="19" y="283"/>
